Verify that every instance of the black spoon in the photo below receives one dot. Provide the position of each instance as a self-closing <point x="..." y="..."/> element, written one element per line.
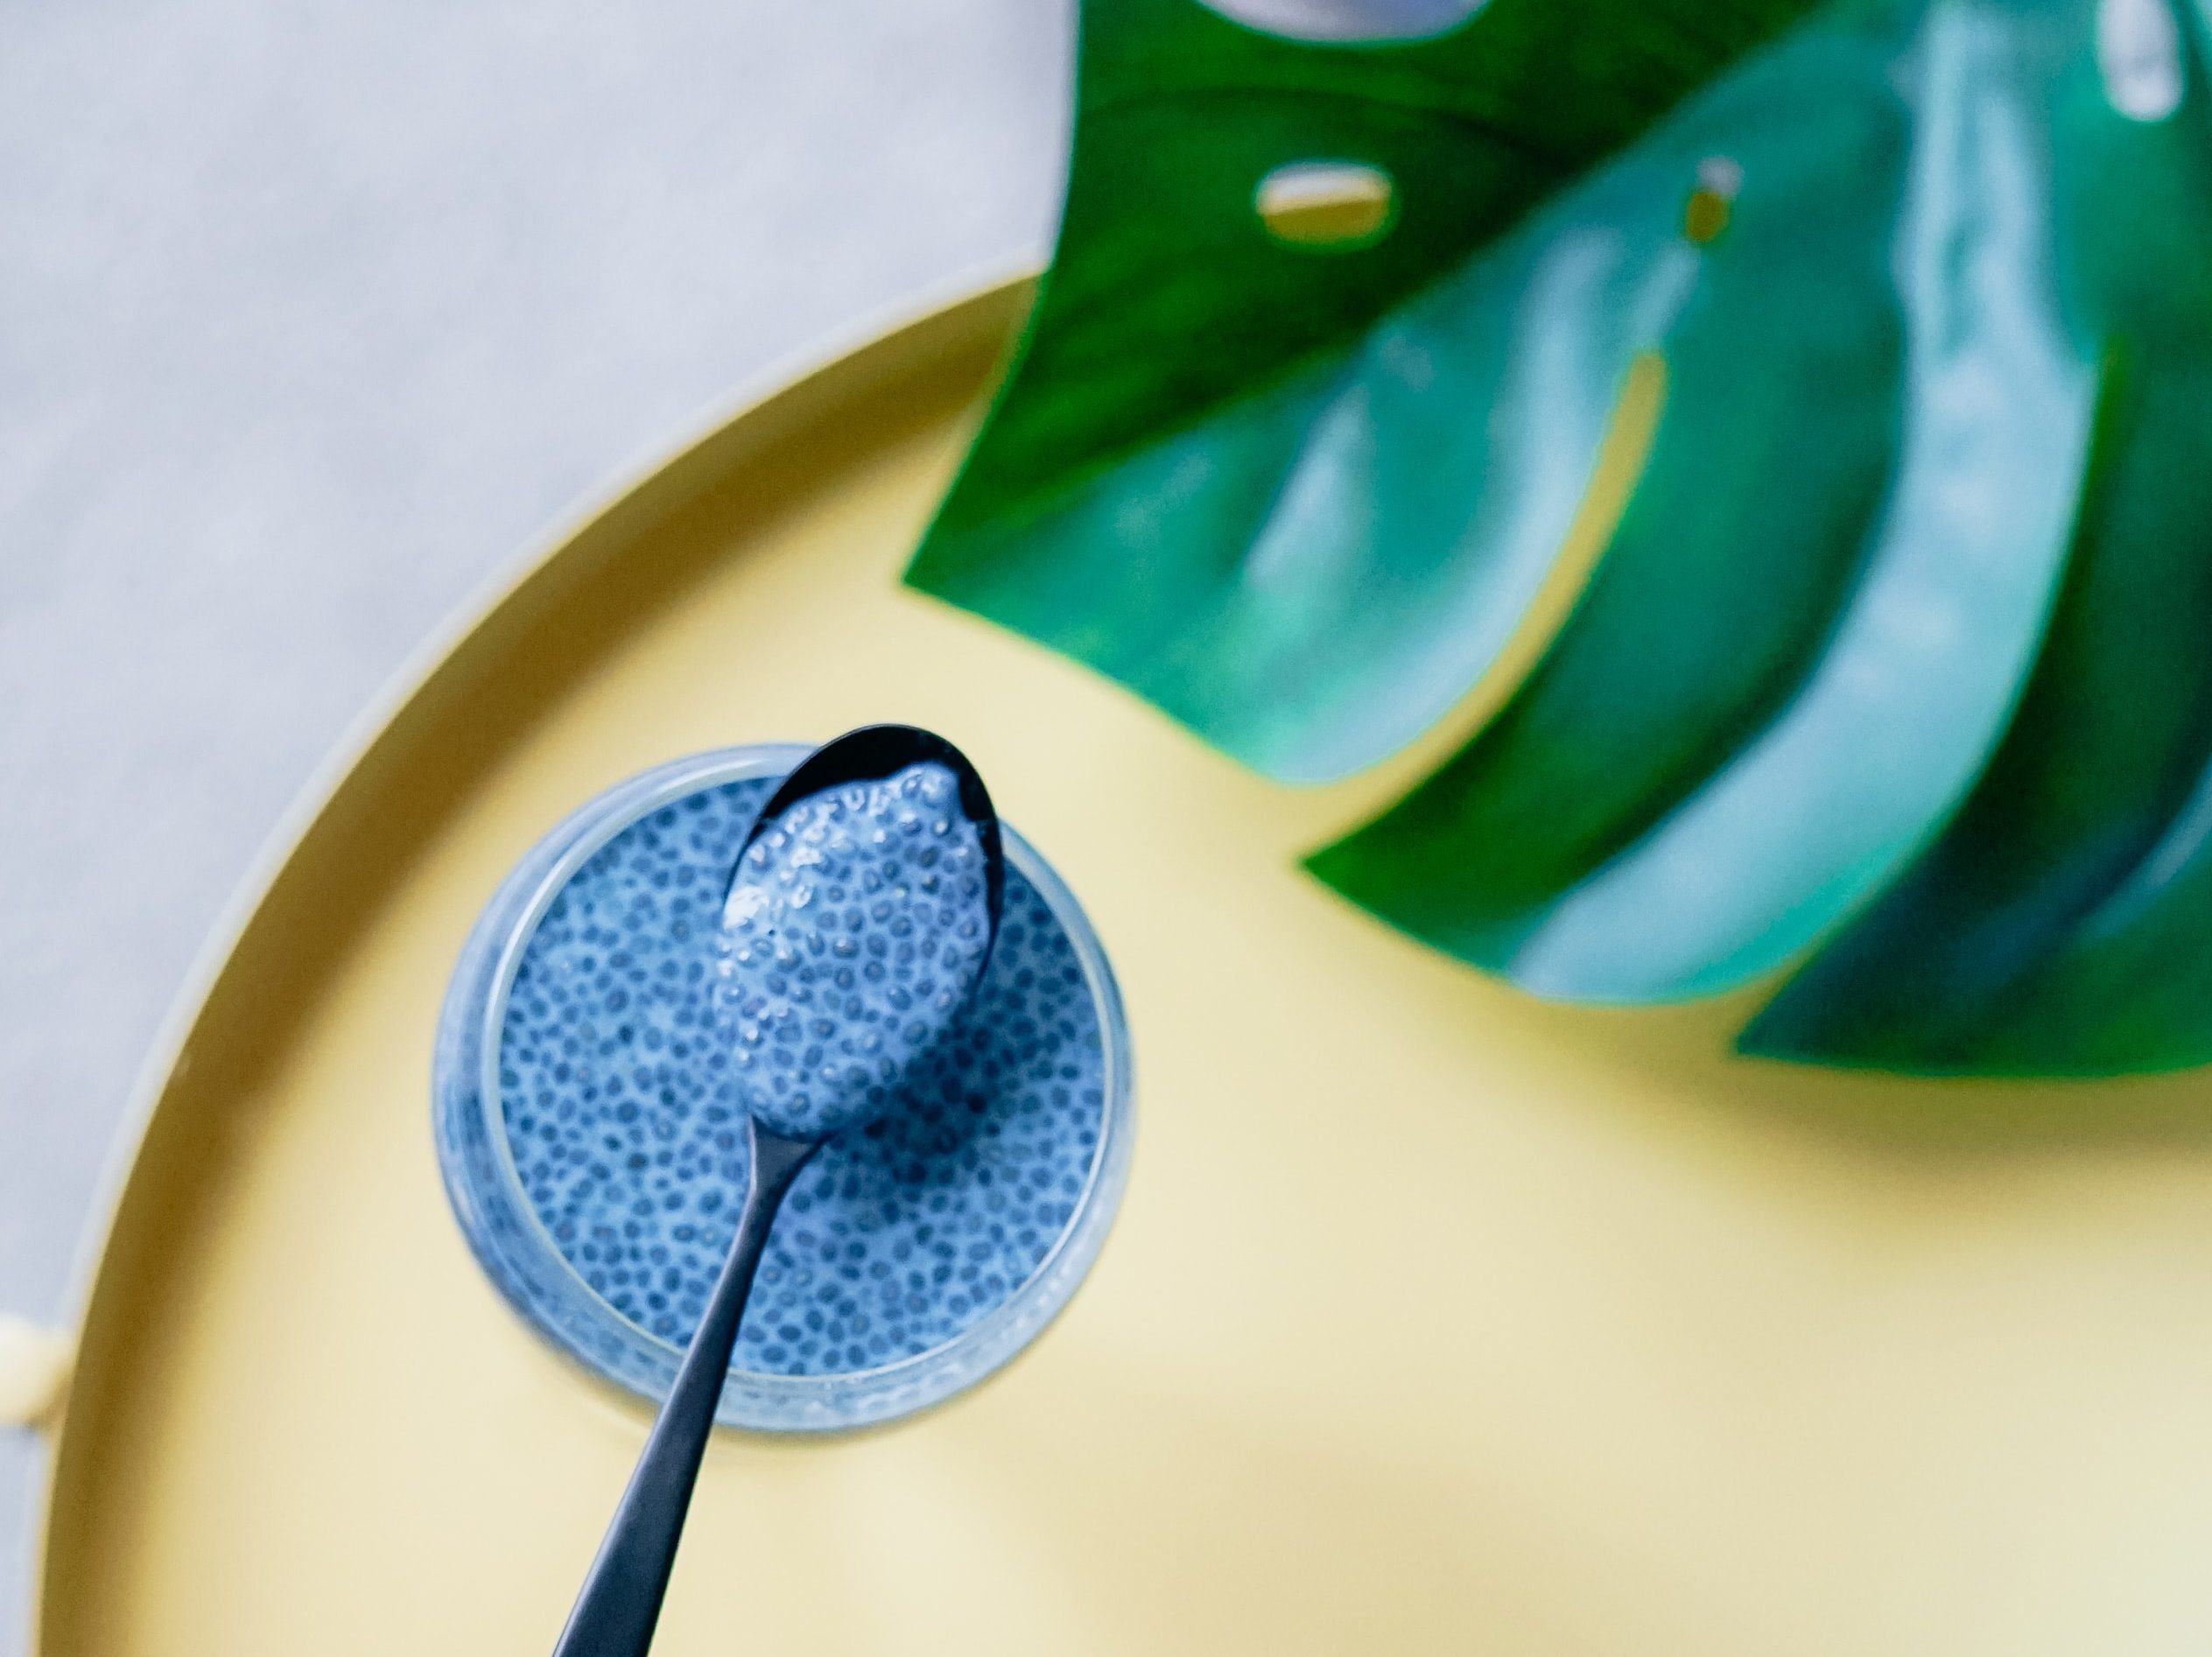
<point x="620" y="1600"/>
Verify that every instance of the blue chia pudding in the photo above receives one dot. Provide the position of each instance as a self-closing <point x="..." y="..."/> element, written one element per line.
<point x="624" y="1105"/>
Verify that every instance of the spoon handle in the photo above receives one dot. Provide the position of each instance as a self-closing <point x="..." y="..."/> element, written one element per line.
<point x="620" y="1600"/>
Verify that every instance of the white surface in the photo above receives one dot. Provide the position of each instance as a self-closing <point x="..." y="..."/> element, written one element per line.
<point x="312" y="314"/>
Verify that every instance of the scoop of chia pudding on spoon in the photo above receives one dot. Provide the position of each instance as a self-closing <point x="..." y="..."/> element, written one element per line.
<point x="855" y="930"/>
<point x="857" y="922"/>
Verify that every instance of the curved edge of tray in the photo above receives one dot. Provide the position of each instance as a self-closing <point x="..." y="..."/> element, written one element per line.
<point x="408" y="732"/>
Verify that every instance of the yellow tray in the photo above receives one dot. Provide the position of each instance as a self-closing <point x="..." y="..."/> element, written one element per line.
<point x="1436" y="1321"/>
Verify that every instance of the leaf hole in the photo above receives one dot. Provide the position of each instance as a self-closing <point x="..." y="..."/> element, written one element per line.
<point x="1719" y="178"/>
<point x="1326" y="204"/>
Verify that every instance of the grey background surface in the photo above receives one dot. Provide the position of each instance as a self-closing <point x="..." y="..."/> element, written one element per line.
<point x="312" y="314"/>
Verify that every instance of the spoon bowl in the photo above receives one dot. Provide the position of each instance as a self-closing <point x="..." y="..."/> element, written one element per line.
<point x="856" y="927"/>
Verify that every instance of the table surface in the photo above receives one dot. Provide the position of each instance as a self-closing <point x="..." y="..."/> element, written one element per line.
<point x="312" y="315"/>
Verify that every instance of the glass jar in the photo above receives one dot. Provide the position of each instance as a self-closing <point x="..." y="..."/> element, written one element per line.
<point x="519" y="1253"/>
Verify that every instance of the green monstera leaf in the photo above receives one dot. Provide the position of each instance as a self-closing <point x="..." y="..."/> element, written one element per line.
<point x="1866" y="346"/>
